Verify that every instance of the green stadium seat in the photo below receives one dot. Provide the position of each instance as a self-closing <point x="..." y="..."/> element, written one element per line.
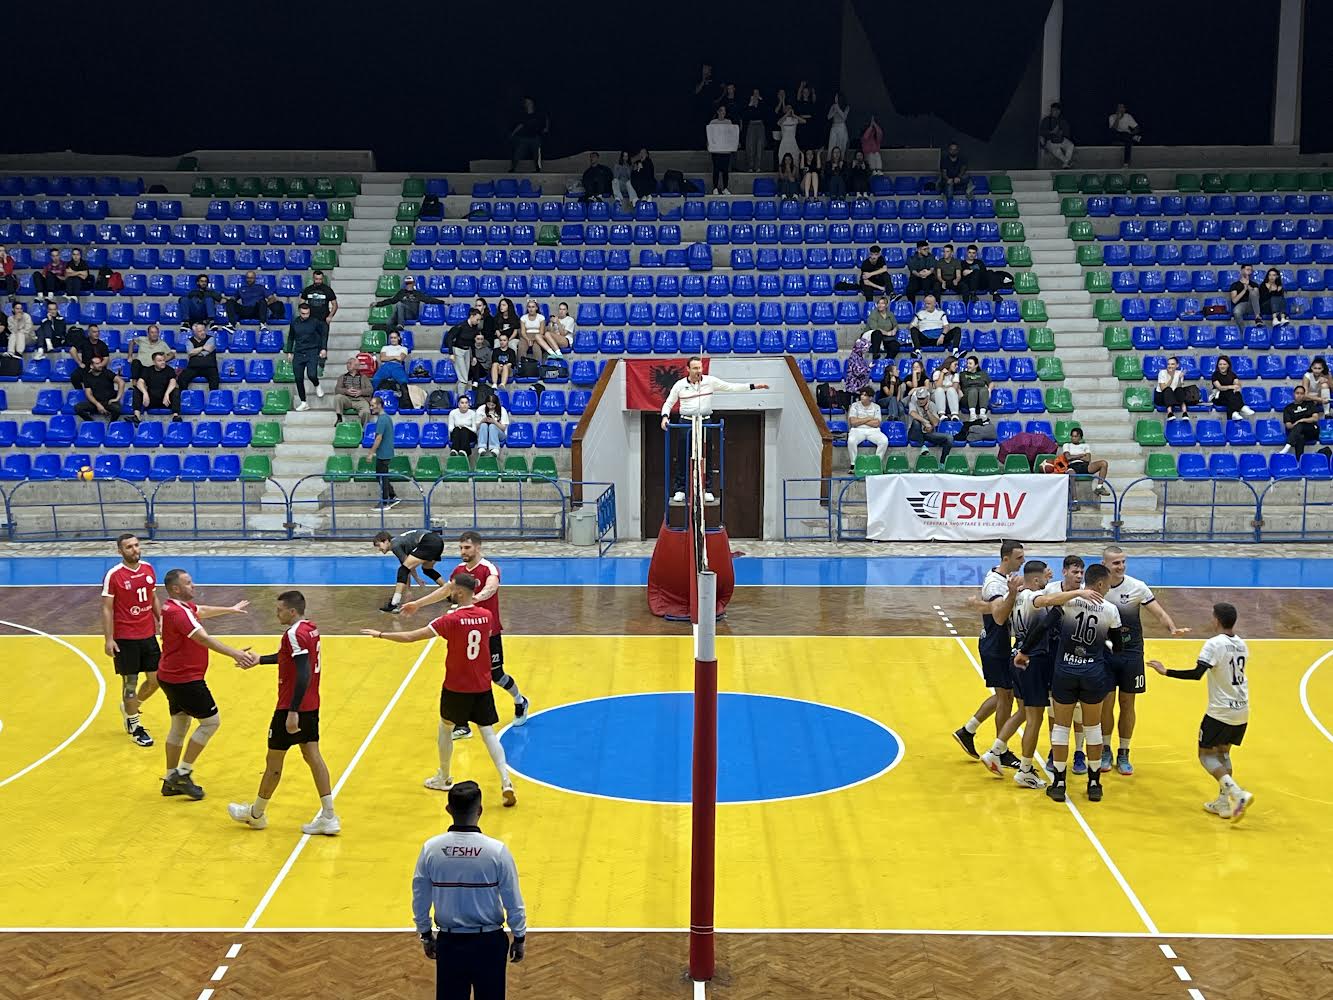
<point x="1073" y="208"/>
<point x="400" y="236"/>
<point x="1114" y="184"/>
<point x="1040" y="461"/>
<point x="324" y="259"/>
<point x="381" y="315"/>
<point x="1286" y="181"/>
<point x="896" y="463"/>
<point x="488" y="469"/>
<point x="1160" y="465"/>
<point x="395" y="259"/>
<point x="340" y="210"/>
<point x="1090" y="255"/>
<point x="298" y="187"/>
<point x="1090" y="184"/>
<point x="987" y="465"/>
<point x="250" y="187"/>
<point x="274" y="187"/>
<point x="1065" y="184"/>
<point x="408" y="211"/>
<point x="1018" y="255"/>
<point x="1213" y="184"/>
<point x="347" y="434"/>
<point x="387" y="285"/>
<point x="926" y="462"/>
<point x="544" y="466"/>
<point x="1149" y="434"/>
<point x="956" y="464"/>
<point x="1138" y="399"/>
<point x="1117" y="338"/>
<point x="428" y="469"/>
<point x="1006" y="208"/>
<point x="1012" y="232"/>
<point x="1188" y="183"/>
<point x="1128" y="368"/>
<point x="1041" y="338"/>
<point x="1328" y="180"/>
<point x="1080" y="231"/>
<point x="338" y="469"/>
<point x="414" y="187"/>
<point x="1106" y="311"/>
<point x="1025" y="283"/>
<point x="365" y="470"/>
<point x="225" y="187"/>
<point x="1312" y="182"/>
<point x="1034" y="311"/>
<point x="1062" y="429"/>
<point x="346" y="187"/>
<point x="1050" y="369"/>
<point x="516" y="469"/>
<point x="1262" y="182"/>
<point x="282" y="370"/>
<point x="867" y="465"/>
<point x="373" y="341"/>
<point x="1059" y="399"/>
<point x="267" y="434"/>
<point x="1139" y="184"/>
<point x="1016" y="463"/>
<point x="256" y="468"/>
<point x="322" y="188"/>
<point x="548" y="235"/>
<point x="202" y="188"/>
<point x="332" y="234"/>
<point x="1097" y="282"/>
<point x="277" y="402"/>
<point x="400" y="467"/>
<point x="1237" y="183"/>
<point x="1001" y="184"/>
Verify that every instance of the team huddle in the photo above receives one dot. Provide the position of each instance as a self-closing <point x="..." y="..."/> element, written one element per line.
<point x="1075" y="646"/>
<point x="137" y="607"/>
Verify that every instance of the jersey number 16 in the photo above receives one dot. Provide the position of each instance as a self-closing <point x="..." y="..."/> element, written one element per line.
<point x="1085" y="628"/>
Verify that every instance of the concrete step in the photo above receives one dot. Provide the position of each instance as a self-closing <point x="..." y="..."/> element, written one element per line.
<point x="1056" y="242"/>
<point x="1067" y="353"/>
<point x="379" y="199"/>
<point x="1068" y="310"/>
<point x="381" y="189"/>
<point x="1053" y="257"/>
<point x="1089" y="368"/>
<point x="1067" y="297"/>
<point x="1058" y="268"/>
<point x="376" y="212"/>
<point x="370" y="226"/>
<point x="1075" y="324"/>
<point x="1031" y="212"/>
<point x="1059" y="283"/>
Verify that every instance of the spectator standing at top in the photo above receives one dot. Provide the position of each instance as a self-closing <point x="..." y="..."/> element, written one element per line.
<point x="706" y="93"/>
<point x="252" y="300"/>
<point x="1124" y="130"/>
<point x="724" y="137"/>
<point x="788" y="122"/>
<point x="875" y="280"/>
<point x="1245" y="296"/>
<point x="643" y="174"/>
<point x="921" y="273"/>
<point x="198" y="305"/>
<point x="728" y="100"/>
<point x="1300" y="419"/>
<point x="838" y="114"/>
<point x="307" y="346"/>
<point x="352" y="391"/>
<point x="9" y="281"/>
<point x="622" y="186"/>
<point x="972" y="276"/>
<point x="596" y="179"/>
<point x="806" y="104"/>
<point x="407" y="302"/>
<point x="526" y="136"/>
<point x="872" y="139"/>
<point x="953" y="172"/>
<point x="321" y="298"/>
<point x="882" y="326"/>
<point x="1053" y="131"/>
<point x="754" y="123"/>
<point x="458" y="342"/>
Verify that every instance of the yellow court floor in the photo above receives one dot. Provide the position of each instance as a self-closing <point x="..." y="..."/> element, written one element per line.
<point x="935" y="843"/>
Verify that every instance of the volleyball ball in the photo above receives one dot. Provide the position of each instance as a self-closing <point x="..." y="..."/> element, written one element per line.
<point x="86" y="473"/>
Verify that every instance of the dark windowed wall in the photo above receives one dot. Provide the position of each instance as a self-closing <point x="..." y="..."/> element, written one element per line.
<point x="1317" y="79"/>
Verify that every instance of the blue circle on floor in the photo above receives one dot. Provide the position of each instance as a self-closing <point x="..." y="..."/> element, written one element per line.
<point x="638" y="747"/>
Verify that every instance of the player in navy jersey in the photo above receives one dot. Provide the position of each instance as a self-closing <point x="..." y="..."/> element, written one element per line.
<point x="1071" y="578"/>
<point x="1127" y="669"/>
<point x="1085" y="627"/>
<point x="998" y="591"/>
<point x="295" y="720"/>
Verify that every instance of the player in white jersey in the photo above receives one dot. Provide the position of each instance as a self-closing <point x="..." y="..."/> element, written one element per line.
<point x="1071" y="578"/>
<point x="1129" y="596"/>
<point x="1222" y="660"/>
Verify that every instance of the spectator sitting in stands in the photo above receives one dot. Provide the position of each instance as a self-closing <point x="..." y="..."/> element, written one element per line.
<point x="872" y="140"/>
<point x="1300" y="418"/>
<point x="890" y="395"/>
<point x="863" y="419"/>
<point x="393" y="361"/>
<point x="9" y="281"/>
<point x="883" y="329"/>
<point x="53" y="334"/>
<point x="1226" y="390"/>
<point x="1169" y="389"/>
<point x="1245" y="295"/>
<point x="875" y="281"/>
<point x="973" y="278"/>
<point x="51" y="278"/>
<point x="916" y="378"/>
<point x="835" y="175"/>
<point x="102" y="389"/>
<point x="4" y="338"/>
<point x="837" y="132"/>
<point x="560" y="331"/>
<point x="21" y="333"/>
<point x="201" y="357"/>
<point x="352" y="391"/>
<point x="921" y="276"/>
<point x="463" y="424"/>
<point x="480" y="368"/>
<point x="253" y="300"/>
<point x="407" y="302"/>
<point x="812" y="167"/>
<point x="487" y="317"/>
<point x="142" y="350"/>
<point x="949" y="272"/>
<point x="506" y="320"/>
<point x="77" y="275"/>
<point x="857" y="374"/>
<point x="197" y="305"/>
<point x="493" y="426"/>
<point x="1054" y="133"/>
<point x="1081" y="462"/>
<point x="502" y="363"/>
<point x="858" y="175"/>
<point x="532" y="327"/>
<point x="953" y="172"/>
<point x="458" y="343"/>
<point x="621" y="185"/>
<point x="83" y="347"/>
<point x="789" y="184"/>
<point x="724" y="137"/>
<point x="155" y="389"/>
<point x="526" y="136"/>
<point x="1272" y="299"/>
<point x="975" y="384"/>
<point x="946" y="388"/>
<point x="642" y="174"/>
<point x="931" y="326"/>
<point x="922" y="421"/>
<point x="1124" y="130"/>
<point x="1318" y="383"/>
<point x="596" y="180"/>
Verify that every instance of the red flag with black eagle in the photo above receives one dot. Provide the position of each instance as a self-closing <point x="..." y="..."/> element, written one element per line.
<point x="648" y="381"/>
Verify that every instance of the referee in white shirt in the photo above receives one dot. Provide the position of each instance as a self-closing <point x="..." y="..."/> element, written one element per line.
<point x="694" y="393"/>
<point x="470" y="882"/>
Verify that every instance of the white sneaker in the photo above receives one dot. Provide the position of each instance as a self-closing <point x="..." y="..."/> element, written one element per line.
<point x="329" y="826"/>
<point x="556" y="353"/>
<point x="438" y="782"/>
<point x="1237" y="416"/>
<point x="39" y="354"/>
<point x="302" y="406"/>
<point x="716" y="191"/>
<point x="709" y="498"/>
<point x="1247" y="411"/>
<point x="240" y="812"/>
<point x="725" y="191"/>
<point x="992" y="763"/>
<point x="319" y="391"/>
<point x="1239" y="801"/>
<point x="507" y="793"/>
<point x="1028" y="779"/>
<point x="678" y="496"/>
<point x="1219" y="807"/>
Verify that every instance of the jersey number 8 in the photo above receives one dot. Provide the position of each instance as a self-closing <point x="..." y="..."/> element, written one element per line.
<point x="473" y="644"/>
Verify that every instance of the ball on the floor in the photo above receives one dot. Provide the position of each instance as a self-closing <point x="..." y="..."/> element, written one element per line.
<point x="86" y="473"/>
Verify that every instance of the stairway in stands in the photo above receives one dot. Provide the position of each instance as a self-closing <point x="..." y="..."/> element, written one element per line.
<point x="1078" y="340"/>
<point x="307" y="436"/>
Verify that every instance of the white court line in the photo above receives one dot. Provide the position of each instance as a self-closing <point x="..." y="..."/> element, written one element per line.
<point x="1305" y="697"/>
<point x="206" y="994"/>
<point x="342" y="780"/>
<point x="235" y="950"/>
<point x="97" y="706"/>
<point x="1167" y="951"/>
<point x="1196" y="994"/>
<point x="700" y="993"/>
<point x="218" y="973"/>
<point x="1182" y="973"/>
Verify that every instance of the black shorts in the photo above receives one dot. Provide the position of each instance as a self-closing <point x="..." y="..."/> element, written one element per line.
<point x="460" y="707"/>
<point x="1032" y="685"/>
<point x="1213" y="733"/>
<point x="1127" y="671"/>
<point x="430" y="549"/>
<point x="191" y="698"/>
<point x="497" y="653"/>
<point x="137" y="656"/>
<point x="280" y="739"/>
<point x="1069" y="688"/>
<point x="1078" y="468"/>
<point x="997" y="672"/>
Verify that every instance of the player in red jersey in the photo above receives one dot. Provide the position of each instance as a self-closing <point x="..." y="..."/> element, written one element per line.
<point x="487" y="574"/>
<point x="185" y="647"/>
<point x="131" y="619"/>
<point x="466" y="695"/>
<point x="295" y="720"/>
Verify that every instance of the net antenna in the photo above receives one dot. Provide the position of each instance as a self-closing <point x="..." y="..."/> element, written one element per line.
<point x="703" y="814"/>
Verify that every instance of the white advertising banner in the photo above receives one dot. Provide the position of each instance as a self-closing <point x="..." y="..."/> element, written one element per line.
<point x="928" y="507"/>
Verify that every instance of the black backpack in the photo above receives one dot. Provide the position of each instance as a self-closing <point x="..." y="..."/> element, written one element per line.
<point x="528" y="367"/>
<point x="438" y="400"/>
<point x="555" y="369"/>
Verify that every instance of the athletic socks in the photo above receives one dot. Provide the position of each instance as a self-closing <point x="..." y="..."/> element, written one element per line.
<point x="445" y="739"/>
<point x="396" y="600"/>
<point x="496" y="751"/>
<point x="326" y="802"/>
<point x="1228" y="785"/>
<point x="1286" y="448"/>
<point x="999" y="747"/>
<point x="1078" y="740"/>
<point x="257" y="809"/>
<point x="972" y="725"/>
<point x="1124" y="745"/>
<point x="184" y="768"/>
<point x="1025" y="764"/>
<point x="132" y="720"/>
<point x="509" y="684"/>
<point x="1059" y="770"/>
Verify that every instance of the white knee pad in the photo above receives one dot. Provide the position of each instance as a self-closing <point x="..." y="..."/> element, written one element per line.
<point x="1225" y="760"/>
<point x="180" y="725"/>
<point x="1211" y="762"/>
<point x="1093" y="734"/>
<point x="206" y="728"/>
<point x="1059" y="735"/>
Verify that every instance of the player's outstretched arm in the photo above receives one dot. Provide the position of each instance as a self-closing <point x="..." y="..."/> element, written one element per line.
<point x="213" y="611"/>
<point x="416" y="635"/>
<point x="243" y="657"/>
<point x="1161" y="614"/>
<point x="1199" y="670"/>
<point x="444" y="593"/>
<point x="1064" y="597"/>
